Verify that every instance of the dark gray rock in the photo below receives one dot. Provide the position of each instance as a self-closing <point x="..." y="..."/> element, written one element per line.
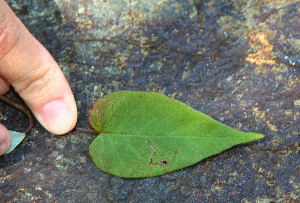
<point x="236" y="61"/>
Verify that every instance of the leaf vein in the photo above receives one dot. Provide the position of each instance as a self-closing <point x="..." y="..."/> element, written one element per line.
<point x="186" y="124"/>
<point x="146" y="99"/>
<point x="117" y="152"/>
<point x="133" y="149"/>
<point x="187" y="136"/>
<point x="112" y="117"/>
<point x="153" y="121"/>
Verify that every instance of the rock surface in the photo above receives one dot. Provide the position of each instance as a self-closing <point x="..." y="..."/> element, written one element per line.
<point x="237" y="61"/>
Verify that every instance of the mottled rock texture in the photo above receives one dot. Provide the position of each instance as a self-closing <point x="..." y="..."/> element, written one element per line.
<point x="235" y="60"/>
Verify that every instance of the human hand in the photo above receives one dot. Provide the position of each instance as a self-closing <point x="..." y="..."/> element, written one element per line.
<point x="36" y="77"/>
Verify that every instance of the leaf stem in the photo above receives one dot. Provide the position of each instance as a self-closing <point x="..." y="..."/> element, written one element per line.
<point x="30" y="119"/>
<point x="20" y="108"/>
<point x="87" y="130"/>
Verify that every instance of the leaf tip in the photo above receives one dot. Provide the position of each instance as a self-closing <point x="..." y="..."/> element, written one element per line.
<point x="16" y="139"/>
<point x="260" y="136"/>
<point x="257" y="136"/>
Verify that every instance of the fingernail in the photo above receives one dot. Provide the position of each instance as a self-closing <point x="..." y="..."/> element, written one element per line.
<point x="58" y="117"/>
<point x="4" y="146"/>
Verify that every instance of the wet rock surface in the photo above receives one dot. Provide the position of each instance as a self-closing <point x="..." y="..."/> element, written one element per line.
<point x="237" y="61"/>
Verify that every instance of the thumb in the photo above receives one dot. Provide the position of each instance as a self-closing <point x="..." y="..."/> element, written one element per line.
<point x="35" y="75"/>
<point x="5" y="139"/>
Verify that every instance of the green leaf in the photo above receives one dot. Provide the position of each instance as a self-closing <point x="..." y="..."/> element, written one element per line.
<point x="16" y="139"/>
<point x="148" y="134"/>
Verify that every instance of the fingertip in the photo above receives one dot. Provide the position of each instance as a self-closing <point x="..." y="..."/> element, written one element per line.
<point x="4" y="85"/>
<point x="5" y="139"/>
<point x="59" y="117"/>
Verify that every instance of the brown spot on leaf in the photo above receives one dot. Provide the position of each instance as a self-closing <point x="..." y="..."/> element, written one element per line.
<point x="164" y="162"/>
<point x="175" y="152"/>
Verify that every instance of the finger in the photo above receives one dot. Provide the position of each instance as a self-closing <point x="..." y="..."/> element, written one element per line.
<point x="5" y="139"/>
<point x="35" y="75"/>
<point x="4" y="85"/>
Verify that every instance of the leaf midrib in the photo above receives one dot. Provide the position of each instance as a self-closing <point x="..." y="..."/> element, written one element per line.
<point x="188" y="136"/>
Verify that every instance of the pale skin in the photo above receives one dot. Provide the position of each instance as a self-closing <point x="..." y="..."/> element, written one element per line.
<point x="27" y="66"/>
